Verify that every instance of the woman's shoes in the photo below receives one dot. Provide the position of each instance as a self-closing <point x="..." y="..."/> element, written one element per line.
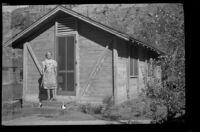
<point x="52" y="99"/>
<point x="40" y="105"/>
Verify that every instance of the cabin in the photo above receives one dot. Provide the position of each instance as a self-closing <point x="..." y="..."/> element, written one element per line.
<point x="94" y="60"/>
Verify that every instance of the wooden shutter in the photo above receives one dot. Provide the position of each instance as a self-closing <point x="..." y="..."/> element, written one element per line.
<point x="65" y="25"/>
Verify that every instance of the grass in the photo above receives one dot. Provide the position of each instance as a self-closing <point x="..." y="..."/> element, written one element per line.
<point x="71" y="113"/>
<point x="136" y="109"/>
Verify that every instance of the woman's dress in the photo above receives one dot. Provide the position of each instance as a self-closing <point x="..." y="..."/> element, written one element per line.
<point x="49" y="74"/>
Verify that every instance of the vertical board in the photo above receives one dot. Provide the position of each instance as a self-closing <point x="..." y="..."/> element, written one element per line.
<point x="24" y="70"/>
<point x="115" y="62"/>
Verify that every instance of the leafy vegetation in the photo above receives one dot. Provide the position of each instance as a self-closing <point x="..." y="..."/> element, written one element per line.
<point x="169" y="94"/>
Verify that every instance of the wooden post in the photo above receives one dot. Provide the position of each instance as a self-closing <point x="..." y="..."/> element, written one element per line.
<point x="115" y="58"/>
<point x="24" y="71"/>
<point x="128" y="71"/>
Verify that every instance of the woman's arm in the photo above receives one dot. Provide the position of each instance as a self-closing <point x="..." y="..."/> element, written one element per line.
<point x="55" y="68"/>
<point x="43" y="66"/>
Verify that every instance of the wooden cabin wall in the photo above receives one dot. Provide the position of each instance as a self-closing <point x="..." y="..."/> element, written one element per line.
<point x="131" y="87"/>
<point x="41" y="44"/>
<point x="122" y="71"/>
<point x="92" y="42"/>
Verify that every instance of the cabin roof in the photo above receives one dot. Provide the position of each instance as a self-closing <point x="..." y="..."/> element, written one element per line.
<point x="81" y="17"/>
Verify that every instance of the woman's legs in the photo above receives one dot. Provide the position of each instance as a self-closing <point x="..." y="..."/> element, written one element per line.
<point x="54" y="93"/>
<point x="48" y="94"/>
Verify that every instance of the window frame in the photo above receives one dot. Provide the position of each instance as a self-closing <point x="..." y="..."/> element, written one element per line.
<point x="134" y="61"/>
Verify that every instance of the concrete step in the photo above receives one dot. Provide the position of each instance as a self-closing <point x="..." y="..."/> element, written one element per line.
<point x="92" y="100"/>
<point x="8" y="107"/>
<point x="51" y="105"/>
<point x="11" y="104"/>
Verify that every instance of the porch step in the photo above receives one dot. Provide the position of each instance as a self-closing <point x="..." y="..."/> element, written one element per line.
<point x="8" y="107"/>
<point x="52" y="105"/>
<point x="93" y="100"/>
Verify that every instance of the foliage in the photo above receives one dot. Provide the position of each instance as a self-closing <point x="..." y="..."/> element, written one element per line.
<point x="108" y="102"/>
<point x="91" y="109"/>
<point x="164" y="28"/>
<point x="170" y="93"/>
<point x="110" y="111"/>
<point x="19" y="19"/>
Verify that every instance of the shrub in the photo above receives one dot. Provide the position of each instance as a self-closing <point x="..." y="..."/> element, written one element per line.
<point x="97" y="109"/>
<point x="84" y="108"/>
<point x="111" y="113"/>
<point x="169" y="94"/>
<point x="91" y="109"/>
<point x="108" y="101"/>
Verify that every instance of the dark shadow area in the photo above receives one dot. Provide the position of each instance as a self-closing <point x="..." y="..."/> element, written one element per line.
<point x="178" y="120"/>
<point x="42" y="92"/>
<point x="95" y="34"/>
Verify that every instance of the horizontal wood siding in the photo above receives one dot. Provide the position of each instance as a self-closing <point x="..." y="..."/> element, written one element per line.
<point x="41" y="44"/>
<point x="133" y="86"/>
<point x="92" y="43"/>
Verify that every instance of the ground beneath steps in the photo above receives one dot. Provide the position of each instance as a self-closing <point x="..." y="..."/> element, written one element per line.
<point x="40" y="121"/>
<point x="56" y="118"/>
<point x="32" y="113"/>
<point x="52" y="114"/>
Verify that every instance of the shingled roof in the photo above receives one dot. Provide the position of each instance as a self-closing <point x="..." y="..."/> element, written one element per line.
<point x="81" y="17"/>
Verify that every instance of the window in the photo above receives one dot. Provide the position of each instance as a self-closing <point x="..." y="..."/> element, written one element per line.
<point x="133" y="60"/>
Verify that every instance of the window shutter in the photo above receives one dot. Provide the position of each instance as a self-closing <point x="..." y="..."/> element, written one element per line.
<point x="65" y="25"/>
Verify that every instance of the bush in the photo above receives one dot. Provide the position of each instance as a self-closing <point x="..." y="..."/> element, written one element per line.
<point x="111" y="113"/>
<point x="108" y="101"/>
<point x="169" y="94"/>
<point x="91" y="109"/>
<point x="97" y="109"/>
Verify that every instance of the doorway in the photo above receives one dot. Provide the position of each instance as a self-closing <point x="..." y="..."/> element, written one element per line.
<point x="66" y="65"/>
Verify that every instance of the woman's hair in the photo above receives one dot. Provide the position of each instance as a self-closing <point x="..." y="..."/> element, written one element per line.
<point x="47" y="54"/>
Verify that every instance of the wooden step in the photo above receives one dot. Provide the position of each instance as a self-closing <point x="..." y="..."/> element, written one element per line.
<point x="52" y="103"/>
<point x="89" y="99"/>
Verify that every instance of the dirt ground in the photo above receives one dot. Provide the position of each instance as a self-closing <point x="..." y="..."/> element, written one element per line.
<point x="33" y="115"/>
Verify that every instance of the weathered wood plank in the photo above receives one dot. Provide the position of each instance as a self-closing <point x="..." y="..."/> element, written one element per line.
<point x="128" y="71"/>
<point x="34" y="58"/>
<point x="24" y="70"/>
<point x="115" y="62"/>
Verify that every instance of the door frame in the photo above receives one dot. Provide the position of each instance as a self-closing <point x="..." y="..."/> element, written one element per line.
<point x="76" y="78"/>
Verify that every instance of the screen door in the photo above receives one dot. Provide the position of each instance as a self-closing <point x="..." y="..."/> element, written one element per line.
<point x="66" y="64"/>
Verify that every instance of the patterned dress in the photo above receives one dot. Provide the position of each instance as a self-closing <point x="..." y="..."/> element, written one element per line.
<point x="49" y="74"/>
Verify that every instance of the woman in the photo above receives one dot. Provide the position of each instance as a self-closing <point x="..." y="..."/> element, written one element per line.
<point x="49" y="71"/>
